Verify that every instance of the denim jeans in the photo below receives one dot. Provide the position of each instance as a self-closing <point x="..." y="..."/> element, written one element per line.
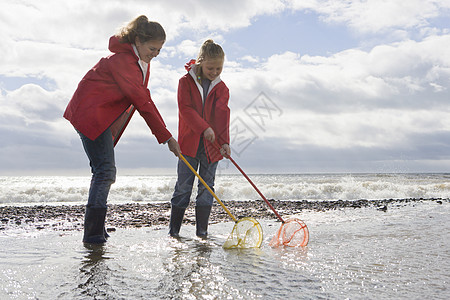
<point x="183" y="187"/>
<point x="103" y="167"/>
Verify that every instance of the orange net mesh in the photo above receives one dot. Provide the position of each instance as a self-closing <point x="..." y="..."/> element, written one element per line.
<point x="293" y="233"/>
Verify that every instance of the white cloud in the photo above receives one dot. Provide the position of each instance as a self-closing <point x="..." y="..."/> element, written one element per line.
<point x="372" y="16"/>
<point x="387" y="98"/>
<point x="368" y="79"/>
<point x="251" y="59"/>
<point x="380" y="98"/>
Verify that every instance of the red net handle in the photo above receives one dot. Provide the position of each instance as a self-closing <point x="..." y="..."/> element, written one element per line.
<point x="251" y="182"/>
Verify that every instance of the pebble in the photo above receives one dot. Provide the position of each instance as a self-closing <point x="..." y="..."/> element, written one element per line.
<point x="70" y="217"/>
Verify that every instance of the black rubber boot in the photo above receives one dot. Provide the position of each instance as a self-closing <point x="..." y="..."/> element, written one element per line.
<point x="176" y="218"/>
<point x="94" y="226"/>
<point x="201" y="220"/>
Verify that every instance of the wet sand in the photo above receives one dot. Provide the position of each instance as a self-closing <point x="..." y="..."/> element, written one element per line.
<point x="70" y="217"/>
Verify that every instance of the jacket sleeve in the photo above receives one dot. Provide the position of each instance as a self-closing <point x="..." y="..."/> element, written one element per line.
<point x="129" y="78"/>
<point x="188" y="110"/>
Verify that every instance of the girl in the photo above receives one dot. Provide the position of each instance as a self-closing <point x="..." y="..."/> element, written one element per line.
<point x="204" y="119"/>
<point x="103" y="104"/>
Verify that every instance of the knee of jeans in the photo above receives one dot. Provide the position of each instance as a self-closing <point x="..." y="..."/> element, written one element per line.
<point x="204" y="200"/>
<point x="181" y="198"/>
<point x="180" y="201"/>
<point x="202" y="189"/>
<point x="107" y="173"/>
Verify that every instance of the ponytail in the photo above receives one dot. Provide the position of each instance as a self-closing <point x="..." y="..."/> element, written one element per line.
<point x="143" y="29"/>
<point x="210" y="50"/>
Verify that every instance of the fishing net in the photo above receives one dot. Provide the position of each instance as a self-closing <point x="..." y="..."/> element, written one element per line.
<point x="247" y="233"/>
<point x="293" y="233"/>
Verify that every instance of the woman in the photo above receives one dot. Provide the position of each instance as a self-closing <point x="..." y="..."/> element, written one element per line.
<point x="103" y="104"/>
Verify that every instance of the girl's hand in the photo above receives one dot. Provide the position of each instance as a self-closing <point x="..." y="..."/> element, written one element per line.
<point x="174" y="147"/>
<point x="209" y="134"/>
<point x="225" y="150"/>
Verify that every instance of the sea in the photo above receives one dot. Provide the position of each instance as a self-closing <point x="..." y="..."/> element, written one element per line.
<point x="26" y="190"/>
<point x="401" y="252"/>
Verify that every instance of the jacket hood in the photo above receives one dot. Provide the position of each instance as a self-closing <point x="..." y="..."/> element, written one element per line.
<point x="116" y="46"/>
<point x="200" y="88"/>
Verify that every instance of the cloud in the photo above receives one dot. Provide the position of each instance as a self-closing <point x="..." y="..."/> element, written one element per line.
<point x="376" y="105"/>
<point x="376" y="16"/>
<point x="401" y="75"/>
<point x="385" y="98"/>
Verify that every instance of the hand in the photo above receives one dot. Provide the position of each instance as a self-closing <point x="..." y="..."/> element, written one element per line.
<point x="174" y="147"/>
<point x="225" y="150"/>
<point x="209" y="135"/>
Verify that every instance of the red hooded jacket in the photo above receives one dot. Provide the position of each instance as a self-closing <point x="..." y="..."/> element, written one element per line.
<point x="110" y="92"/>
<point x="194" y="118"/>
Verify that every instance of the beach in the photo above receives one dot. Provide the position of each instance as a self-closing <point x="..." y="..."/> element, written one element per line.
<point x="371" y="236"/>
<point x="135" y="215"/>
<point x="362" y="249"/>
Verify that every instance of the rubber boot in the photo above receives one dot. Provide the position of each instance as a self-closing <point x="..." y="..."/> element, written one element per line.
<point x="94" y="226"/>
<point x="201" y="220"/>
<point x="176" y="218"/>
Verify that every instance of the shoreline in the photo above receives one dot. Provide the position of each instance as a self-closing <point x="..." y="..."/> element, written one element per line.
<point x="136" y="215"/>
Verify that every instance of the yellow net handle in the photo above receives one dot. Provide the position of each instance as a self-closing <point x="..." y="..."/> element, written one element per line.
<point x="207" y="187"/>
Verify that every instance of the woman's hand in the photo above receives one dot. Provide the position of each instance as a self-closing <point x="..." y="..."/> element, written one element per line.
<point x="174" y="147"/>
<point x="225" y="150"/>
<point x="209" y="135"/>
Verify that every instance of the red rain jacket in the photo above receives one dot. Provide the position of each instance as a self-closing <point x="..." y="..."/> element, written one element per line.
<point x="194" y="119"/>
<point x="109" y="94"/>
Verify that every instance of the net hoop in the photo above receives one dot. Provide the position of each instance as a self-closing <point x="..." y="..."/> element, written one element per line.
<point x="292" y="233"/>
<point x="246" y="233"/>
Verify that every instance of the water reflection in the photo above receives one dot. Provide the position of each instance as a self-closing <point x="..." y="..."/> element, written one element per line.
<point x="188" y="267"/>
<point x="269" y="271"/>
<point x="290" y="257"/>
<point x="195" y="268"/>
<point x="94" y="273"/>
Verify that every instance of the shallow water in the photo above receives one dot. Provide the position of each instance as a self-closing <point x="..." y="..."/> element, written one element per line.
<point x="403" y="253"/>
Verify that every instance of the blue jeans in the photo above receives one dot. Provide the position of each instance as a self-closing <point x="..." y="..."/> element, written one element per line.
<point x="103" y="167"/>
<point x="183" y="187"/>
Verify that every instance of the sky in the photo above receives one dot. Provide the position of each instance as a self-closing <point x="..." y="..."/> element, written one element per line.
<point x="315" y="86"/>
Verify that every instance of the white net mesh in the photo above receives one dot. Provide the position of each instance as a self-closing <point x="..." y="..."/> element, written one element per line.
<point x="247" y="233"/>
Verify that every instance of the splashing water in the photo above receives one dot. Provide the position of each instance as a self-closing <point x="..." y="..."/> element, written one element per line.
<point x="54" y="189"/>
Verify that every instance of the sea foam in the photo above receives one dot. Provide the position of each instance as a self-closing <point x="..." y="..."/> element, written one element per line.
<point x="152" y="188"/>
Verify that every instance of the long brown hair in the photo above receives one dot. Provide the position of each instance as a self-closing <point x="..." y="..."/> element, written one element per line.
<point x="143" y="29"/>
